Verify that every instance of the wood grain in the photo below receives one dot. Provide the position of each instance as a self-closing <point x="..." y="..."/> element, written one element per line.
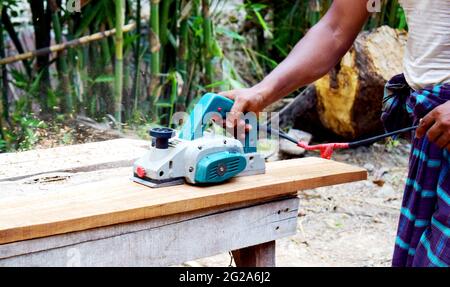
<point x="118" y="200"/>
<point x="84" y="157"/>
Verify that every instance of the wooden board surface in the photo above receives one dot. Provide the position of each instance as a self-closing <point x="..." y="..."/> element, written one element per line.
<point x="118" y="200"/>
<point x="84" y="157"/>
<point x="162" y="241"/>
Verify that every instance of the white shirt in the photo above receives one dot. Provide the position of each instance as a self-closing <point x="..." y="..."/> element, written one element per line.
<point x="427" y="55"/>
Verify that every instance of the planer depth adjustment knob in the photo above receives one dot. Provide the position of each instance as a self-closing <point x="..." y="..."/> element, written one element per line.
<point x="161" y="136"/>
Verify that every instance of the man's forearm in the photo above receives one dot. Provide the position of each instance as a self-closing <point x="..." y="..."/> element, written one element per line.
<point x="320" y="50"/>
<point x="310" y="59"/>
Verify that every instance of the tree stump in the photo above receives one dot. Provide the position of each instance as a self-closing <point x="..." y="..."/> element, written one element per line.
<point x="349" y="98"/>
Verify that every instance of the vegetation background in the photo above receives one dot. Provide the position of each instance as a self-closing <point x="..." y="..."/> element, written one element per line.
<point x="175" y="51"/>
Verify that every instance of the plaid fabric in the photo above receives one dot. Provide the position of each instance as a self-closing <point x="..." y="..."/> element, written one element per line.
<point x="423" y="236"/>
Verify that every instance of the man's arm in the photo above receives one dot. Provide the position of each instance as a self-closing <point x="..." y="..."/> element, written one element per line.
<point x="319" y="50"/>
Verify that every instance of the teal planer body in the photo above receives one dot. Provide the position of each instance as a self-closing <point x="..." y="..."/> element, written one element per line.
<point x="218" y="167"/>
<point x="195" y="156"/>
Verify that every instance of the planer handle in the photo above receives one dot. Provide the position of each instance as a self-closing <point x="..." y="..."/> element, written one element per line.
<point x="217" y="104"/>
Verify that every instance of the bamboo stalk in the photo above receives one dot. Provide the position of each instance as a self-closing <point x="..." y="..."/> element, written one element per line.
<point x="118" y="73"/>
<point x="207" y="34"/>
<point x="94" y="68"/>
<point x="137" y="58"/>
<point x="106" y="57"/>
<point x="69" y="44"/>
<point x="2" y="51"/>
<point x="62" y="63"/>
<point x="155" y="46"/>
<point x="194" y="57"/>
<point x="383" y="12"/>
<point x="182" y="48"/>
<point x="393" y="13"/>
<point x="5" y="104"/>
<point x="164" y="21"/>
<point x="182" y="58"/>
<point x="41" y="16"/>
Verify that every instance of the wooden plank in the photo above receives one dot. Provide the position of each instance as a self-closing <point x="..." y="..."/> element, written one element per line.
<point x="159" y="243"/>
<point x="43" y="243"/>
<point x="84" y="157"/>
<point x="119" y="200"/>
<point x="261" y="255"/>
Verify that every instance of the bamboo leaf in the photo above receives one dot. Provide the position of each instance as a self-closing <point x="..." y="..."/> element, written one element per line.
<point x="186" y="11"/>
<point x="236" y="84"/>
<point x="216" y="84"/>
<point x="216" y="51"/>
<point x="261" y="20"/>
<point x="88" y="16"/>
<point x="230" y="34"/>
<point x="258" y="6"/>
<point x="104" y="79"/>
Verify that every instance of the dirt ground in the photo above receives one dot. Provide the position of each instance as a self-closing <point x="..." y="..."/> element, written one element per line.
<point x="350" y="224"/>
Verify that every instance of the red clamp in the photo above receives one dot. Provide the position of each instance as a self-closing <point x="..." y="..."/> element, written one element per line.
<point x="326" y="150"/>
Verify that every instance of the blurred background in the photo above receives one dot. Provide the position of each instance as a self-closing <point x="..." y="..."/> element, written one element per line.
<point x="65" y="74"/>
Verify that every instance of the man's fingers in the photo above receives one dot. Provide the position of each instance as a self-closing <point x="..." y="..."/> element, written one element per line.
<point x="434" y="133"/>
<point x="425" y="124"/>
<point x="443" y="140"/>
<point x="243" y="129"/>
<point x="234" y="115"/>
<point x="229" y="94"/>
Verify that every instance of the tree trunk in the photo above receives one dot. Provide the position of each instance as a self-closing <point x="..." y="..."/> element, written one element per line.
<point x="41" y="22"/>
<point x="15" y="38"/>
<point x="62" y="67"/>
<point x="349" y="98"/>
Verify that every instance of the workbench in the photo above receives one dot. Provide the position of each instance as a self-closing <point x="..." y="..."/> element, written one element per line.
<point x="76" y="206"/>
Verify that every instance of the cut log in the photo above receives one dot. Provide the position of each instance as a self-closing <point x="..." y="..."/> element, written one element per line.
<point x="349" y="98"/>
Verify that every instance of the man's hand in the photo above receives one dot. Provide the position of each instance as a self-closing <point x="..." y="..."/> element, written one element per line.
<point x="245" y="100"/>
<point x="436" y="126"/>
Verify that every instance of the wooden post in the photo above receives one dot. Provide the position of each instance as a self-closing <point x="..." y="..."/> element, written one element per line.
<point x="261" y="255"/>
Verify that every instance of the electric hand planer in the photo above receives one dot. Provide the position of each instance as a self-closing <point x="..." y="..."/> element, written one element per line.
<point x="195" y="156"/>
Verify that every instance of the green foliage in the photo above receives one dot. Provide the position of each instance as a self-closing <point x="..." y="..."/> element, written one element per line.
<point x="279" y="25"/>
<point x="184" y="59"/>
<point x="3" y="145"/>
<point x="23" y="134"/>
<point x="391" y="144"/>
